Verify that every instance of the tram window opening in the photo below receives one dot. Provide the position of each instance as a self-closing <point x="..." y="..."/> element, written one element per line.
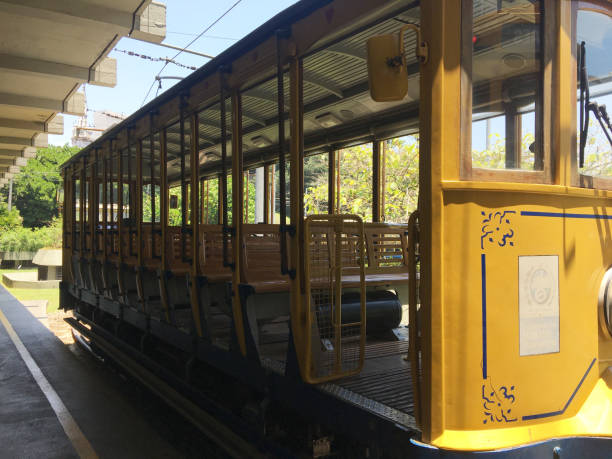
<point x="229" y="199"/>
<point x="316" y="184"/>
<point x="277" y="192"/>
<point x="128" y="173"/>
<point x="400" y="176"/>
<point x="354" y="181"/>
<point x="175" y="212"/>
<point x="90" y="197"/>
<point x="506" y="53"/>
<point x="594" y="28"/>
<point x="85" y="194"/>
<point x="209" y="192"/>
<point x="151" y="197"/>
<point x="210" y="152"/>
<point x="101" y="209"/>
<point x="254" y="195"/>
<point x="77" y="200"/>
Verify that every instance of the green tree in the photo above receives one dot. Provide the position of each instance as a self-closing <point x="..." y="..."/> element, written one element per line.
<point x="495" y="157"/>
<point x="401" y="180"/>
<point x="35" y="187"/>
<point x="9" y="220"/>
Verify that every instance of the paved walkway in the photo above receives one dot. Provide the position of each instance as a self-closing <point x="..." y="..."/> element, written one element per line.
<point x="29" y="424"/>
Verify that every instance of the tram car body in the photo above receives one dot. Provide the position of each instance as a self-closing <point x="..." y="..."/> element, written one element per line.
<point x="501" y="273"/>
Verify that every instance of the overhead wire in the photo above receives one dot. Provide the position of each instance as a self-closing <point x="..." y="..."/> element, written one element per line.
<point x="188" y="45"/>
<point x="214" y="37"/>
<point x="155" y="59"/>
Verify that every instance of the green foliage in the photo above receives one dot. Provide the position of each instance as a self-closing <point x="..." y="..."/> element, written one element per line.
<point x="495" y="157"/>
<point x="401" y="160"/>
<point x="20" y="239"/>
<point x="210" y="198"/>
<point x="402" y="178"/>
<point x="9" y="219"/>
<point x="35" y="187"/>
<point x="597" y="153"/>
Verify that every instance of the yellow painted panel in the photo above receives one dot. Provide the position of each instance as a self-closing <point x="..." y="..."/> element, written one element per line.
<point x="494" y="397"/>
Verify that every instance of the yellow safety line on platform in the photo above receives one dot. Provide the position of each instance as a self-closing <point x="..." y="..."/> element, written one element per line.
<point x="74" y="433"/>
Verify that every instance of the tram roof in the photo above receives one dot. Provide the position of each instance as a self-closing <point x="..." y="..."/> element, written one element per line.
<point x="286" y="17"/>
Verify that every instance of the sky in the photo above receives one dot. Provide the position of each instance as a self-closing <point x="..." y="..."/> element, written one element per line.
<point x="185" y="19"/>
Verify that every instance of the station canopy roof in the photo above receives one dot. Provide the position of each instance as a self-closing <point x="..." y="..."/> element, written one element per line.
<point x="48" y="49"/>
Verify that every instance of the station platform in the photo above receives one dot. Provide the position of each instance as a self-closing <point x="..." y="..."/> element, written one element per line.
<point x="58" y="403"/>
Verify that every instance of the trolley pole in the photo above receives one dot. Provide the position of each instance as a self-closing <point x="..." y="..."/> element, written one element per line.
<point x="10" y="196"/>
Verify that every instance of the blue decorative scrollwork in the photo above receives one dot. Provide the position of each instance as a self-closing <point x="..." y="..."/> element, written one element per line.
<point x="497" y="403"/>
<point x="496" y="228"/>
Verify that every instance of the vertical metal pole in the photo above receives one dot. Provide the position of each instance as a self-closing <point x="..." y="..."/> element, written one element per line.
<point x="338" y="158"/>
<point x="237" y="200"/>
<point x="152" y="182"/>
<point x="82" y="198"/>
<point x="10" y="196"/>
<point x="205" y="209"/>
<point x="96" y="210"/>
<point x="105" y="205"/>
<point x="246" y="201"/>
<point x="223" y="182"/>
<point x="267" y="195"/>
<point x="331" y="183"/>
<point x="272" y="193"/>
<point x="131" y="196"/>
<point x="139" y="200"/>
<point x="260" y="193"/>
<point x="280" y="95"/>
<point x="121" y="203"/>
<point x="513" y="141"/>
<point x="163" y="170"/>
<point x="183" y="179"/>
<point x="111" y="191"/>
<point x="203" y="184"/>
<point x="376" y="181"/>
<point x="195" y="222"/>
<point x="73" y="208"/>
<point x="383" y="181"/>
<point x="297" y="165"/>
<point x="220" y="199"/>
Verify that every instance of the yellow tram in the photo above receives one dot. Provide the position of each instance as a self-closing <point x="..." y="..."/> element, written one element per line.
<point x="501" y="274"/>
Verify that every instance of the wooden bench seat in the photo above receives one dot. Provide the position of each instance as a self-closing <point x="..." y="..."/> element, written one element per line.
<point x="386" y="255"/>
<point x="211" y="254"/>
<point x="151" y="246"/>
<point x="174" y="250"/>
<point x="262" y="257"/>
<point x="371" y="280"/>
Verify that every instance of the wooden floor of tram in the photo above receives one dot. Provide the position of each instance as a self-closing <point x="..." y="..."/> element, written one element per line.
<point x="385" y="378"/>
<point x="108" y="414"/>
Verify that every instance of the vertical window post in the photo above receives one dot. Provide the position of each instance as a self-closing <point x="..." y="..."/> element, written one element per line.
<point x="331" y="182"/>
<point x="376" y="181"/>
<point x="268" y="196"/>
<point x="139" y="200"/>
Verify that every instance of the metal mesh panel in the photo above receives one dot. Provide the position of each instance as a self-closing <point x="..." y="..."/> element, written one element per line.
<point x="334" y="261"/>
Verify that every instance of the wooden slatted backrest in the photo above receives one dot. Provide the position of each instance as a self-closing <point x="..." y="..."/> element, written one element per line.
<point x="174" y="248"/>
<point x="261" y="248"/>
<point x="387" y="248"/>
<point x="100" y="242"/>
<point x="151" y="255"/>
<point x="211" y="252"/>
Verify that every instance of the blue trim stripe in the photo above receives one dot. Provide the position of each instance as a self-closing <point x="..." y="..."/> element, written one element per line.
<point x="565" y="215"/>
<point x="483" y="272"/>
<point x="556" y="413"/>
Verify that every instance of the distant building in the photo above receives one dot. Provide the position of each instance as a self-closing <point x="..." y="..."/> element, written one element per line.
<point x="83" y="134"/>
